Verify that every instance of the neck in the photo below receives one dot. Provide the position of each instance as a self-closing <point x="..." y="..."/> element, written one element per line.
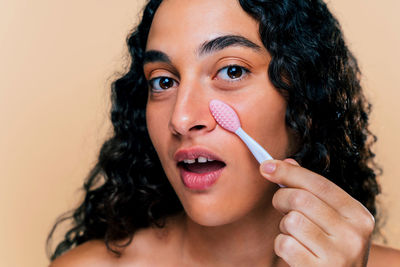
<point x="247" y="242"/>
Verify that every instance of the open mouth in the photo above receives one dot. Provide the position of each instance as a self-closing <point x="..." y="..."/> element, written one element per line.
<point x="200" y="173"/>
<point x="201" y="165"/>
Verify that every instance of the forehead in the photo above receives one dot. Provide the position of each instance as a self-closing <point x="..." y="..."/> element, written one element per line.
<point x="183" y="24"/>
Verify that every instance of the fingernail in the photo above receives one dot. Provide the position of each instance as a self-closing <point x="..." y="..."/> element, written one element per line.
<point x="268" y="167"/>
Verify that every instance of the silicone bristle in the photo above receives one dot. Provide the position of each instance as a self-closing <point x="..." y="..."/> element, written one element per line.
<point x="225" y="116"/>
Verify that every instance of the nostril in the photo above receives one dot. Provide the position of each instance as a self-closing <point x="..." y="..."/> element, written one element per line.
<point x="197" y="127"/>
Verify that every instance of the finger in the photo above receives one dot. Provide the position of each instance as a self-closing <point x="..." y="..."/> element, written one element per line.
<point x="292" y="252"/>
<point x="289" y="175"/>
<point x="292" y="161"/>
<point x="306" y="232"/>
<point x="316" y="210"/>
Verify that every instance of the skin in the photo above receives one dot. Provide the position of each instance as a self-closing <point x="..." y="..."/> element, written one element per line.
<point x="244" y="219"/>
<point x="179" y="117"/>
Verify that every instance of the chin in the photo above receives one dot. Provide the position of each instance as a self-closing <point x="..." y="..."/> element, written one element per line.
<point x="212" y="215"/>
<point x="210" y="219"/>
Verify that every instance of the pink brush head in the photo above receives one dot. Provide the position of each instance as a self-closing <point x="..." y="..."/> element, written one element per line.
<point x="225" y="116"/>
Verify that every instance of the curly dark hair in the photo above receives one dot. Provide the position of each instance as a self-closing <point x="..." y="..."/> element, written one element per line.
<point x="312" y="68"/>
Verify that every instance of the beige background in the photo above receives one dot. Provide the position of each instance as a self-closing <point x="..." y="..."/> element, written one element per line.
<point x="57" y="59"/>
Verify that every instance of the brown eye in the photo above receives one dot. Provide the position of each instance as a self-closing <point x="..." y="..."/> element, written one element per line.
<point x="161" y="84"/>
<point x="234" y="72"/>
<point x="166" y="83"/>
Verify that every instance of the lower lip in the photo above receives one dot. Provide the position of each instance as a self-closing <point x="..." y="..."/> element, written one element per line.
<point x="199" y="181"/>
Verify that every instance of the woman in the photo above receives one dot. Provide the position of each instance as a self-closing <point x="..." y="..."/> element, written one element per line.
<point x="284" y="67"/>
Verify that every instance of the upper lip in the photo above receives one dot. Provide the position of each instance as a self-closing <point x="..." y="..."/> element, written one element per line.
<point x="194" y="153"/>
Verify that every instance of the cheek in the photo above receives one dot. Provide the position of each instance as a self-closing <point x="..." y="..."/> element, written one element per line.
<point x="157" y="119"/>
<point x="151" y="122"/>
<point x="157" y="126"/>
<point x="265" y="122"/>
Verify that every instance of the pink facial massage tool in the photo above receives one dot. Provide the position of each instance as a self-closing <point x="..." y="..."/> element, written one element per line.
<point x="227" y="118"/>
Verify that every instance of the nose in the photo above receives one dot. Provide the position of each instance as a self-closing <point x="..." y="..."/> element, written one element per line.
<point x="191" y="114"/>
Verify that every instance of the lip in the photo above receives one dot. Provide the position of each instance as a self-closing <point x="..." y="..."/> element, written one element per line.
<point x="195" y="152"/>
<point x="197" y="181"/>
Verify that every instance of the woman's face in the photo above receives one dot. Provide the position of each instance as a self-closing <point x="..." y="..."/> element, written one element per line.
<point x="197" y="51"/>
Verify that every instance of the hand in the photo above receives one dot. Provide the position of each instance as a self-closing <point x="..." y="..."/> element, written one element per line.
<point x="322" y="224"/>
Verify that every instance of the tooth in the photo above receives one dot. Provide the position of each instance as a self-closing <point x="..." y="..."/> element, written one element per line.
<point x="189" y="161"/>
<point x="210" y="159"/>
<point x="202" y="159"/>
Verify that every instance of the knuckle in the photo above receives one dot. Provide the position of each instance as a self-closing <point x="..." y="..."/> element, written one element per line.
<point x="284" y="168"/>
<point x="364" y="222"/>
<point x="323" y="187"/>
<point x="368" y="223"/>
<point x="292" y="161"/>
<point x="299" y="199"/>
<point x="284" y="244"/>
<point x="292" y="220"/>
<point x="276" y="199"/>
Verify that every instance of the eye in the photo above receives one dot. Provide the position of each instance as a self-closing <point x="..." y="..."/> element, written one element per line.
<point x="161" y="83"/>
<point x="232" y="73"/>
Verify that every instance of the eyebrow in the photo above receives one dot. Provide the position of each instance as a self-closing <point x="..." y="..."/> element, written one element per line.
<point x="225" y="41"/>
<point x="154" y="56"/>
<point x="207" y="47"/>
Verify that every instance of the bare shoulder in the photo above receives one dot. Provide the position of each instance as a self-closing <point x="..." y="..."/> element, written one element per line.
<point x="381" y="255"/>
<point x="141" y="251"/>
<point x="90" y="253"/>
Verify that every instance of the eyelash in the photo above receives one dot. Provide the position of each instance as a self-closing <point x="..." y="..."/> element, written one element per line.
<point x="152" y="83"/>
<point x="244" y="73"/>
